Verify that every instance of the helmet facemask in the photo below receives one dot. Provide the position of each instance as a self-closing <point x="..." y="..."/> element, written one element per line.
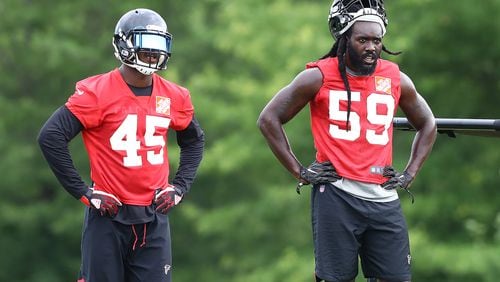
<point x="155" y="44"/>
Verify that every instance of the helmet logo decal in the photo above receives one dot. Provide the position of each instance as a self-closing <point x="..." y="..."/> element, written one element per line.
<point x="125" y="53"/>
<point x="154" y="27"/>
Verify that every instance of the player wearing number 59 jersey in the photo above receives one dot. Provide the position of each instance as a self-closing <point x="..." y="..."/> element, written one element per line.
<point x="373" y="104"/>
<point x="124" y="117"/>
<point x="353" y="95"/>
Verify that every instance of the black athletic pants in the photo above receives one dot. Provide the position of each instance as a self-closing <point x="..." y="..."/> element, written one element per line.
<point x="116" y="252"/>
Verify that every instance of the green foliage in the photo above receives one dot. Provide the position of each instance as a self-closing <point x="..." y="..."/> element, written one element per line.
<point x="242" y="220"/>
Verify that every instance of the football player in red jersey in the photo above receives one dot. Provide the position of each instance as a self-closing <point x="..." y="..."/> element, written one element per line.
<point x="353" y="95"/>
<point x="124" y="116"/>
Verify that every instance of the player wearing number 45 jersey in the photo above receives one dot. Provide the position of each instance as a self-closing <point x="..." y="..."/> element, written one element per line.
<point x="124" y="117"/>
<point x="353" y="95"/>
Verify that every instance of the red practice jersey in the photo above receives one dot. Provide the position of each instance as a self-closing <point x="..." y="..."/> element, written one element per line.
<point x="361" y="152"/>
<point x="126" y="135"/>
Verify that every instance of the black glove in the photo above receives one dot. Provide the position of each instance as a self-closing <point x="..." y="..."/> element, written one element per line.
<point x="317" y="173"/>
<point x="104" y="202"/>
<point x="167" y="198"/>
<point x="397" y="180"/>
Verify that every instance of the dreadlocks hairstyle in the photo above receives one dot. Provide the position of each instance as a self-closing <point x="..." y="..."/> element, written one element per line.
<point x="343" y="14"/>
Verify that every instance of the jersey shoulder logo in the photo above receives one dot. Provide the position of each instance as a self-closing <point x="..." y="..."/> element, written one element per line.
<point x="163" y="105"/>
<point x="383" y="84"/>
<point x="79" y="91"/>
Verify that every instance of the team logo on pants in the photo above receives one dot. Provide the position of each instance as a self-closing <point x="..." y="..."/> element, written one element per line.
<point x="167" y="268"/>
<point x="322" y="188"/>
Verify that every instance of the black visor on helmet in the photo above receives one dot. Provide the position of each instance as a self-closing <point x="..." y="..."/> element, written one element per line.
<point x="144" y="40"/>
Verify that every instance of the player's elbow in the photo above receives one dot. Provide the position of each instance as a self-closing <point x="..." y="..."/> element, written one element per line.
<point x="48" y="138"/>
<point x="428" y="128"/>
<point x="264" y="121"/>
<point x="430" y="124"/>
<point x="43" y="138"/>
<point x="433" y="128"/>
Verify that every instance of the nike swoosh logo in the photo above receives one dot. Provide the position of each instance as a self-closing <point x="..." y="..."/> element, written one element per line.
<point x="79" y="92"/>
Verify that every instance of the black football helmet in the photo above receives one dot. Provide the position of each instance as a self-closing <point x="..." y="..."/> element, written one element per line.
<point x="142" y="31"/>
<point x="344" y="13"/>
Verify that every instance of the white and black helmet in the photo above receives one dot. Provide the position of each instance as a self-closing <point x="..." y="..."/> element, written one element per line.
<point x="344" y="13"/>
<point x="142" y="31"/>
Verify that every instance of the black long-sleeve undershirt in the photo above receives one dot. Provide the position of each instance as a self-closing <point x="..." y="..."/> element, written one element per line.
<point x="53" y="139"/>
<point x="192" y="142"/>
<point x="63" y="126"/>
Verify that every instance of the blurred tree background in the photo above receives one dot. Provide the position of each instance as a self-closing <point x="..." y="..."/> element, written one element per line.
<point x="243" y="221"/>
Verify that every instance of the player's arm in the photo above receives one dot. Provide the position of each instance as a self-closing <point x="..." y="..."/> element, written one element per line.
<point x="281" y="109"/>
<point x="420" y="116"/>
<point x="53" y="139"/>
<point x="191" y="142"/>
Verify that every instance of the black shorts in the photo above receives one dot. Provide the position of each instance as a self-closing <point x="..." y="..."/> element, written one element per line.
<point x="345" y="227"/>
<point x="112" y="251"/>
